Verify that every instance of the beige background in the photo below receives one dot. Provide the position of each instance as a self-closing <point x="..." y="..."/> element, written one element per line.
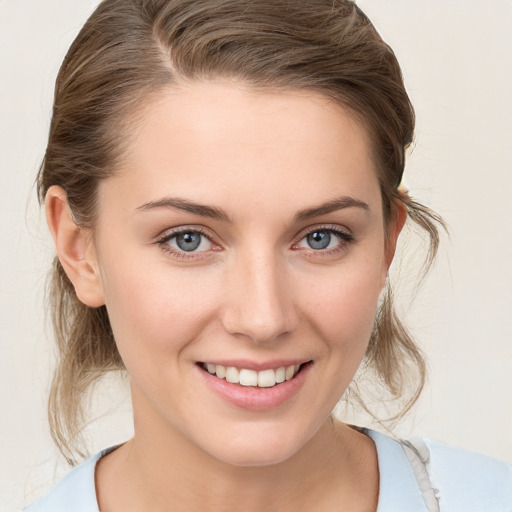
<point x="457" y="61"/>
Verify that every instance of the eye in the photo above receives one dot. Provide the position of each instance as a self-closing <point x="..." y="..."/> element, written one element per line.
<point x="320" y="240"/>
<point x="185" y="241"/>
<point x="190" y="241"/>
<point x="324" y="239"/>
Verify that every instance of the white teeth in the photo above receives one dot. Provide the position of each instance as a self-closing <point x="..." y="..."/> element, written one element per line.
<point x="221" y="371"/>
<point x="248" y="378"/>
<point x="232" y="375"/>
<point x="244" y="377"/>
<point x="266" y="378"/>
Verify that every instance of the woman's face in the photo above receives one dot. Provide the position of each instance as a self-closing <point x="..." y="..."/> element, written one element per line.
<point x="243" y="235"/>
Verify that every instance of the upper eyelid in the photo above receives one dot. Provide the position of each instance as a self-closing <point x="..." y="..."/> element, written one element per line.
<point x="323" y="227"/>
<point x="211" y="236"/>
<point x="164" y="239"/>
<point x="171" y="232"/>
<point x="344" y="236"/>
<point x="166" y="236"/>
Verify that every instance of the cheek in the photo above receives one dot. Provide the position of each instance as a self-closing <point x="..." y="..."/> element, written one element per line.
<point x="343" y="305"/>
<point x="153" y="310"/>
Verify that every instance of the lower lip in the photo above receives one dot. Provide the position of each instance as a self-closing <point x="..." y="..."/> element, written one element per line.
<point x="254" y="398"/>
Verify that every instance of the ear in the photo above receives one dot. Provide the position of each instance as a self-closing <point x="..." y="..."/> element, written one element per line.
<point x="75" y="248"/>
<point x="395" y="226"/>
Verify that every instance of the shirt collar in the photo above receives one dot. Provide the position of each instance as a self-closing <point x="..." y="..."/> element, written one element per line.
<point x="398" y="488"/>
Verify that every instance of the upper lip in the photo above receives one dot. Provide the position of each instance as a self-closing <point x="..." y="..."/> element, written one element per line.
<point x="255" y="365"/>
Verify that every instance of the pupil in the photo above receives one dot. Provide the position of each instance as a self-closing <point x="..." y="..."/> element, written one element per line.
<point x="319" y="239"/>
<point x="189" y="241"/>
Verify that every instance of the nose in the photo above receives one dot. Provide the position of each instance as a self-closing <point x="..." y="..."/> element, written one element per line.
<point x="259" y="299"/>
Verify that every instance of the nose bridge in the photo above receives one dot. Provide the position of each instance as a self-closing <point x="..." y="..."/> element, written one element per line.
<point x="260" y="304"/>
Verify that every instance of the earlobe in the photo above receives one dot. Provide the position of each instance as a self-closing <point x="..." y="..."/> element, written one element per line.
<point x="75" y="248"/>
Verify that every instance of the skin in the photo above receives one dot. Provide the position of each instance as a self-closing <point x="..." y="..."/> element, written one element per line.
<point x="254" y="290"/>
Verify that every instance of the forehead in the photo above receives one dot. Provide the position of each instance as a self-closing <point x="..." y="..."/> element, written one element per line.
<point x="218" y="141"/>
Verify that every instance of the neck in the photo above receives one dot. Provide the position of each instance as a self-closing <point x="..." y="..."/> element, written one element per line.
<point x="162" y="471"/>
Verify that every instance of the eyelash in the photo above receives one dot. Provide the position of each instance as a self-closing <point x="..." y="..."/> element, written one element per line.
<point x="344" y="238"/>
<point x="167" y="237"/>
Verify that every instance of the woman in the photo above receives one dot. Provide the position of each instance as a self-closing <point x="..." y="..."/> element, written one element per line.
<point x="222" y="185"/>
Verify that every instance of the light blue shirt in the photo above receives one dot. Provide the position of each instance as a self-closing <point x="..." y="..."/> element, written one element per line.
<point x="463" y="482"/>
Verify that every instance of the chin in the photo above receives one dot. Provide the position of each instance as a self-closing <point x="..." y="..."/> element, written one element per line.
<point x="254" y="456"/>
<point x="257" y="447"/>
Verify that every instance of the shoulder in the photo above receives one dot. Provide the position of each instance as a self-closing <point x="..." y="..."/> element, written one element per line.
<point x="422" y="475"/>
<point x="75" y="492"/>
<point x="469" y="481"/>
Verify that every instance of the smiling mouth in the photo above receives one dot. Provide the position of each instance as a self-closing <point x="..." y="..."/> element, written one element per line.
<point x="251" y="378"/>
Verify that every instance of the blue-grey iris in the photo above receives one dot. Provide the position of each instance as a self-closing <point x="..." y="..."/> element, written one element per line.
<point x="188" y="241"/>
<point x="319" y="239"/>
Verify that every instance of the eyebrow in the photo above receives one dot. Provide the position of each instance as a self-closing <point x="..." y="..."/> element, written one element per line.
<point x="187" y="206"/>
<point x="339" y="203"/>
<point x="215" y="213"/>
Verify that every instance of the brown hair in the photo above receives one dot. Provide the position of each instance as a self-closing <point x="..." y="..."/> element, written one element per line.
<point x="127" y="51"/>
